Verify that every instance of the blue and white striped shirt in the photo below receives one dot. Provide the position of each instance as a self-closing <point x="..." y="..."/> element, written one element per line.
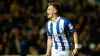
<point x="58" y="30"/>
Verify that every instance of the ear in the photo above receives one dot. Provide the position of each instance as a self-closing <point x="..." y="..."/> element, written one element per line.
<point x="55" y="11"/>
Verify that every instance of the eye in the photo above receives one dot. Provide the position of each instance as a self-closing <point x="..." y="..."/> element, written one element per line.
<point x="48" y="9"/>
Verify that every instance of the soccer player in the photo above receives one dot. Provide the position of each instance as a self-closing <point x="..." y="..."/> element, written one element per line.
<point x="58" y="28"/>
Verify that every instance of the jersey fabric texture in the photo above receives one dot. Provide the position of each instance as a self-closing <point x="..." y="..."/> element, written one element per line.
<point x="59" y="32"/>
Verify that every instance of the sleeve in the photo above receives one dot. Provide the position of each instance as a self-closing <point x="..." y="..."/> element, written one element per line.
<point x="48" y="33"/>
<point x="69" y="26"/>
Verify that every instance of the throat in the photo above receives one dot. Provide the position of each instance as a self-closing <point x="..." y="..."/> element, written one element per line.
<point x="54" y="19"/>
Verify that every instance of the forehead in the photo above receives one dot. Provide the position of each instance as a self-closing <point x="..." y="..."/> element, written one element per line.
<point x="50" y="7"/>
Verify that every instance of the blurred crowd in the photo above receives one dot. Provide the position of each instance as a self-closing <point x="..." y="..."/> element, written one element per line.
<point x="22" y="25"/>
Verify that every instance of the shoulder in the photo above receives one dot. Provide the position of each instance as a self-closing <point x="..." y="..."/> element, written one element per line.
<point x="48" y="22"/>
<point x="65" y="19"/>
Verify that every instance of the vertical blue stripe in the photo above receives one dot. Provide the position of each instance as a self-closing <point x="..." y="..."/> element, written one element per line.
<point x="47" y="27"/>
<point x="66" y="33"/>
<point x="48" y="33"/>
<point x="51" y="25"/>
<point x="60" y="38"/>
<point x="67" y="37"/>
<point x="56" y="46"/>
<point x="51" y="28"/>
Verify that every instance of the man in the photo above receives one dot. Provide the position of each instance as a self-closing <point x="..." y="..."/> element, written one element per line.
<point x="58" y="42"/>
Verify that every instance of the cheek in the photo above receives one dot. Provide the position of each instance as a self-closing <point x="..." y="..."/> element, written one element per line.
<point x="51" y="12"/>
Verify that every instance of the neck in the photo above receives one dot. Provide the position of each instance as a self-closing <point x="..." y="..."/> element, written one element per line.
<point x="55" y="18"/>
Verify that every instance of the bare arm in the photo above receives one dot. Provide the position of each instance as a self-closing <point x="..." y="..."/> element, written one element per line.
<point x="75" y="51"/>
<point x="49" y="45"/>
<point x="75" y="38"/>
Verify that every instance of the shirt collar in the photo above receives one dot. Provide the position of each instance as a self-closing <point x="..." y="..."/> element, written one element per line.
<point x="56" y="20"/>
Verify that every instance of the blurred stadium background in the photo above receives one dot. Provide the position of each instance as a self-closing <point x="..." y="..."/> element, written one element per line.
<point x="22" y="26"/>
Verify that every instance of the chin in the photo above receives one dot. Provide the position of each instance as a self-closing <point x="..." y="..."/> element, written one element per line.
<point x="49" y="17"/>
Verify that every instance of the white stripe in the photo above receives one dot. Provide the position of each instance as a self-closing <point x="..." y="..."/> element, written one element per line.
<point x="61" y="26"/>
<point x="55" y="32"/>
<point x="49" y="23"/>
<point x="54" y="28"/>
<point x="49" y="26"/>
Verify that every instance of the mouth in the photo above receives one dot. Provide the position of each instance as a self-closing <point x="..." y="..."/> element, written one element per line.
<point x="47" y="13"/>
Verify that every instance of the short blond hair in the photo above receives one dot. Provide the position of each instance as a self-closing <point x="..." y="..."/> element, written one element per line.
<point x="56" y="6"/>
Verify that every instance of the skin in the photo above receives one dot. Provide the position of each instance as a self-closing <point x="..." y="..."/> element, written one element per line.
<point x="52" y="13"/>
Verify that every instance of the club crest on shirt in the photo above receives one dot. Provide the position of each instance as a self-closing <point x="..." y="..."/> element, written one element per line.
<point x="70" y="26"/>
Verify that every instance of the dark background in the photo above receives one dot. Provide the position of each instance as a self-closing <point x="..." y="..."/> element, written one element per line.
<point x="22" y="25"/>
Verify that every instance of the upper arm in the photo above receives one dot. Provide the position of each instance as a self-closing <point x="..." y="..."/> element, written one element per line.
<point x="69" y="26"/>
<point x="48" y="33"/>
<point x="49" y="37"/>
<point x="49" y="40"/>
